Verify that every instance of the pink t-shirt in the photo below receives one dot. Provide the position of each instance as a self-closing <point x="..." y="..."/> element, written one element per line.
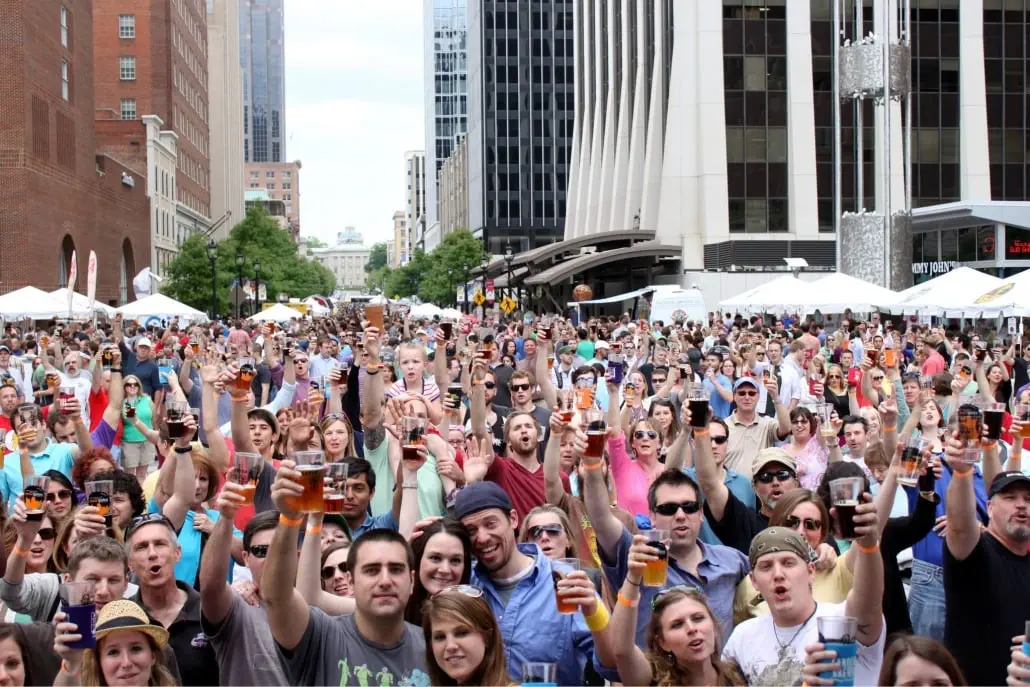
<point x="934" y="365"/>
<point x="632" y="480"/>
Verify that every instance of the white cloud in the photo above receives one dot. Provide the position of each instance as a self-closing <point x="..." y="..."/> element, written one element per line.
<point x="354" y="107"/>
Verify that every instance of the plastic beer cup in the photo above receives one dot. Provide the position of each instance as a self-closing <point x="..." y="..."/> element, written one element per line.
<point x="839" y="634"/>
<point x="414" y="437"/>
<point x="559" y="569"/>
<point x="697" y="402"/>
<point x="597" y="431"/>
<point x="77" y="602"/>
<point x="911" y="457"/>
<point x="335" y="487"/>
<point x="656" y="573"/>
<point x="244" y="472"/>
<point x="845" y="495"/>
<point x="98" y="495"/>
<point x="311" y="465"/>
<point x="175" y="418"/>
<point x="540" y="674"/>
<point x="34" y="496"/>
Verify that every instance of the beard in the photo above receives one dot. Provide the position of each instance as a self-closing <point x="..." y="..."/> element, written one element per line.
<point x="1019" y="533"/>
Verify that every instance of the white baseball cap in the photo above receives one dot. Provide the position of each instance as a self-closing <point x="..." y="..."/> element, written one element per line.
<point x="144" y="341"/>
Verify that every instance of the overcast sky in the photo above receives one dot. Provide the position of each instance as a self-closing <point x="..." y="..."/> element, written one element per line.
<point x="353" y="107"/>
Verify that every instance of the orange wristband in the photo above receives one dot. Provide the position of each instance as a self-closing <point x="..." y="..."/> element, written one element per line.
<point x="700" y="431"/>
<point x="290" y="522"/>
<point x="20" y="552"/>
<point x="592" y="466"/>
<point x="628" y="603"/>
<point x="315" y="529"/>
<point x="963" y="475"/>
<point x="869" y="549"/>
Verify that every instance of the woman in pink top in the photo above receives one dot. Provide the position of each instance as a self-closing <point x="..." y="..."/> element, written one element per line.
<point x="806" y="448"/>
<point x="632" y="477"/>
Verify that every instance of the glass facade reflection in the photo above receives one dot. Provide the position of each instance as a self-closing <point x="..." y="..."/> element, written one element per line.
<point x="262" y="59"/>
<point x="449" y="95"/>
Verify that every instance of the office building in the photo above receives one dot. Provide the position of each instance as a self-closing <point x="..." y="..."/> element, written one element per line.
<point x="415" y="199"/>
<point x="397" y="249"/>
<point x="347" y="263"/>
<point x="263" y="60"/>
<point x="454" y="182"/>
<point x="58" y="194"/>
<point x="225" y="106"/>
<point x="446" y="89"/>
<point x="275" y="208"/>
<point x="151" y="59"/>
<point x="521" y="98"/>
<point x="162" y="157"/>
<point x="282" y="182"/>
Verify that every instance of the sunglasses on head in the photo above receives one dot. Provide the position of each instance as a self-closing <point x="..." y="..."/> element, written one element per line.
<point x="330" y="570"/>
<point x="768" y="477"/>
<point x="692" y="591"/>
<point x="810" y="524"/>
<point x="147" y="519"/>
<point x="519" y="387"/>
<point x="466" y="589"/>
<point x="47" y="533"/>
<point x="61" y="495"/>
<point x="645" y="434"/>
<point x="258" y="550"/>
<point x="551" y="529"/>
<point x="669" y="509"/>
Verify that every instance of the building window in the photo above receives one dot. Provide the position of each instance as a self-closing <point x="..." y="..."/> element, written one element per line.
<point x="253" y="174"/>
<point x="270" y="174"/>
<point x="286" y="174"/>
<point x="128" y="108"/>
<point x="127" y="68"/>
<point x="64" y="27"/>
<point x="126" y="25"/>
<point x="64" y="79"/>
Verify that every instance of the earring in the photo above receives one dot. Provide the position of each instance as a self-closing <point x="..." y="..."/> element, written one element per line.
<point x="670" y="658"/>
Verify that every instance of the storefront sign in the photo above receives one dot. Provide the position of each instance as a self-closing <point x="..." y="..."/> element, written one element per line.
<point x="934" y="268"/>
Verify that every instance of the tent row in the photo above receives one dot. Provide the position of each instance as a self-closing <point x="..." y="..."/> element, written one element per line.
<point x="34" y="304"/>
<point x="963" y="292"/>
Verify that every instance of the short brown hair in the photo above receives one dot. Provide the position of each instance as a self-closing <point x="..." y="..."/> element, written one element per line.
<point x="522" y="374"/>
<point x="794" y="498"/>
<point x="923" y="647"/>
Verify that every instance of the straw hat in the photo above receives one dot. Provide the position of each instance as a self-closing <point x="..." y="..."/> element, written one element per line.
<point x="128" y="615"/>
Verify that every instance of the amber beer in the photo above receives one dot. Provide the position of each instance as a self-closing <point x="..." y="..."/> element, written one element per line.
<point x="98" y="495"/>
<point x="335" y="487"/>
<point x="1023" y="415"/>
<point x="656" y="572"/>
<point x="969" y="423"/>
<point x="311" y="466"/>
<point x="567" y="565"/>
<point x="34" y="497"/>
<point x="245" y="472"/>
<point x="597" y="431"/>
<point x="245" y="375"/>
<point x="565" y="407"/>
<point x="414" y="437"/>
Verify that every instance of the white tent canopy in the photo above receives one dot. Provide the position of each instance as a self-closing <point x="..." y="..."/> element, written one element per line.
<point x="1010" y="298"/>
<point x="452" y="314"/>
<point x="80" y="304"/>
<point x="425" y="311"/>
<point x="782" y="294"/>
<point x="159" y="305"/>
<point x="31" y="303"/>
<point x="277" y="313"/>
<point x="945" y="295"/>
<point x="837" y="292"/>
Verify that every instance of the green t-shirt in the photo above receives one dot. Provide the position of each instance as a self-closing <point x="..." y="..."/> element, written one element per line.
<point x="430" y="488"/>
<point x="585" y="349"/>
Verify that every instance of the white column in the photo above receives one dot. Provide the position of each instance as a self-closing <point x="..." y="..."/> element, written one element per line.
<point x="654" y="147"/>
<point x="638" y="132"/>
<point x="974" y="145"/>
<point x="597" y="141"/>
<point x="802" y="190"/>
<point x="897" y="137"/>
<point x="572" y="193"/>
<point x="608" y="44"/>
<point x="584" y="75"/>
<point x="713" y="217"/>
<point x="621" y="166"/>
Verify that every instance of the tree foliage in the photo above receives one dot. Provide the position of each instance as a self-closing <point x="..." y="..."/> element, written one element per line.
<point x="435" y="276"/>
<point x="257" y="237"/>
<point x="314" y="242"/>
<point x="377" y="258"/>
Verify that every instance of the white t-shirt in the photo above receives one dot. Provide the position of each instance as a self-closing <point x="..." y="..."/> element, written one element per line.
<point x="754" y="647"/>
<point x="83" y="385"/>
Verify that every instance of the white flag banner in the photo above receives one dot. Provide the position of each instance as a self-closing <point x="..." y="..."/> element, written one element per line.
<point x="91" y="279"/>
<point x="73" y="273"/>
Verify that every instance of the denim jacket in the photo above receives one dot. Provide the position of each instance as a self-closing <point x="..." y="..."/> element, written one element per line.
<point x="531" y="626"/>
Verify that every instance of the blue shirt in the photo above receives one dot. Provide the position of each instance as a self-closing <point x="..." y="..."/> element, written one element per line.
<point x="532" y="627"/>
<point x="720" y="570"/>
<point x="930" y="549"/>
<point x="720" y="406"/>
<point x="739" y="485"/>
<point x="376" y="522"/>
<point x="191" y="543"/>
<point x="54" y="456"/>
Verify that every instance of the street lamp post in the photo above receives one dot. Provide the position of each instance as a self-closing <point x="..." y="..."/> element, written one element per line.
<point x="257" y="285"/>
<point x="212" y="256"/>
<point x="239" y="284"/>
<point x="508" y="257"/>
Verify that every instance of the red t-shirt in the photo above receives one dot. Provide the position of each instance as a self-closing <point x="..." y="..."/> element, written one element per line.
<point x="524" y="488"/>
<point x="97" y="406"/>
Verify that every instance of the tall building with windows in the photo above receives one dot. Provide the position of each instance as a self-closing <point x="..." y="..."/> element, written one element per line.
<point x="415" y="200"/>
<point x="282" y="182"/>
<point x="151" y="59"/>
<point x="263" y="59"/>
<point x="226" y="114"/>
<point x="521" y="102"/>
<point x="734" y="162"/>
<point x="446" y="88"/>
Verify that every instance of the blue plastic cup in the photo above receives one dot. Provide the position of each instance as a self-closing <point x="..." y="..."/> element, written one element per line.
<point x="839" y="634"/>
<point x="77" y="603"/>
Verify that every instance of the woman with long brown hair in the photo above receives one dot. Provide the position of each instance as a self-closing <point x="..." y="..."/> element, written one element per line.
<point x="463" y="639"/>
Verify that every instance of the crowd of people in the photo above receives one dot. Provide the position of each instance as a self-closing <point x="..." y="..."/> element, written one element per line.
<point x="367" y="499"/>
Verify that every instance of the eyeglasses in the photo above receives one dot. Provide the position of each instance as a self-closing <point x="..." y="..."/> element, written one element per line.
<point x="692" y="591"/>
<point x="811" y="525"/>
<point x="466" y="589"/>
<point x="128" y="384"/>
<point x="519" y="387"/>
<point x="330" y="570"/>
<point x="551" y="529"/>
<point x="645" y="434"/>
<point x="490" y="385"/>
<point x="59" y="495"/>
<point x="658" y="381"/>
<point x="747" y="393"/>
<point x="720" y="440"/>
<point x="768" y="477"/>
<point x="47" y="533"/>
<point x="669" y="509"/>
<point x="834" y="377"/>
<point x="258" y="550"/>
<point x="141" y="520"/>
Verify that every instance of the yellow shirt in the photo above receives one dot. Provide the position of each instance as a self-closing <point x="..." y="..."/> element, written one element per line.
<point x="829" y="586"/>
<point x="150" y="485"/>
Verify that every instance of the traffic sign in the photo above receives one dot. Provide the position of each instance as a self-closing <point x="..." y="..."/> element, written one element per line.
<point x="479" y="298"/>
<point x="508" y="305"/>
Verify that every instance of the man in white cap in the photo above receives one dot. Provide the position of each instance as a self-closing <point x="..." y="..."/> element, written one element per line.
<point x="139" y="362"/>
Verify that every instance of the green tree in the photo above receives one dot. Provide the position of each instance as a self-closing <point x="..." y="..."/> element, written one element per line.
<point x="450" y="264"/>
<point x="376" y="258"/>
<point x="315" y="242"/>
<point x="258" y="236"/>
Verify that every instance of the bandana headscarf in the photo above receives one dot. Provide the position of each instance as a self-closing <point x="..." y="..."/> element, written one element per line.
<point x="776" y="540"/>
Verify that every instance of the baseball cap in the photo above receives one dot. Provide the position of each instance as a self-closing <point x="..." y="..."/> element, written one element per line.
<point x="745" y="380"/>
<point x="772" y="455"/>
<point x="602" y="344"/>
<point x="479" y="497"/>
<point x="144" y="341"/>
<point x="336" y="519"/>
<point x="566" y="349"/>
<point x="1004" y="480"/>
<point x="3" y="347"/>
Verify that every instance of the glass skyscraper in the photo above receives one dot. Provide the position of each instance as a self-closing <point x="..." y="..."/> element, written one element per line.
<point x="446" y="90"/>
<point x="262" y="58"/>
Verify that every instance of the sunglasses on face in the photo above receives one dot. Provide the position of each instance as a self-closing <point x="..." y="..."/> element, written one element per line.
<point x="128" y="384"/>
<point x="60" y="495"/>
<point x="330" y="570"/>
<point x="810" y="524"/>
<point x="551" y="529"/>
<point x="768" y="477"/>
<point x="834" y="377"/>
<point x="47" y="533"/>
<point x="490" y="385"/>
<point x="747" y="394"/>
<point x="669" y="509"/>
<point x="519" y="387"/>
<point x="658" y="381"/>
<point x="258" y="550"/>
<point x="645" y="434"/>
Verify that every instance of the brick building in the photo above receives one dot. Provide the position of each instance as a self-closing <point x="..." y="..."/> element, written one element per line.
<point x="57" y="194"/>
<point x="150" y="58"/>
<point x="282" y="181"/>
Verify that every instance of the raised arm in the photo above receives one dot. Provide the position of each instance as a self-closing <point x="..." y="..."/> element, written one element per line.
<point x="553" y="490"/>
<point x="116" y="394"/>
<point x="440" y="374"/>
<point x="215" y="594"/>
<point x="713" y="488"/>
<point x="309" y="575"/>
<point x="595" y="497"/>
<point x="632" y="663"/>
<point x="963" y="531"/>
<point x="679" y="454"/>
<point x="288" y="612"/>
<point x="184" y="486"/>
<point x="865" y="600"/>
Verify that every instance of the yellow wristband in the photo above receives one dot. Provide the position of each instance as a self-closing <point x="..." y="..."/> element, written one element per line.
<point x="600" y="618"/>
<point x="627" y="602"/>
<point x="290" y="522"/>
<point x="869" y="549"/>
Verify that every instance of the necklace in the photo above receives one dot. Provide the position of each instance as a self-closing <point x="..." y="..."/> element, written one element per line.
<point x="784" y="647"/>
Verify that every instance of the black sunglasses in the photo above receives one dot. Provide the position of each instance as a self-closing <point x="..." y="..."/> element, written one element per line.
<point x="519" y="387"/>
<point x="131" y="384"/>
<point x="720" y="440"/>
<point x="811" y="525"/>
<point x="552" y="529"/>
<point x="746" y="393"/>
<point x="330" y="570"/>
<point x="490" y="385"/>
<point x="669" y="509"/>
<point x="258" y="550"/>
<point x="649" y="434"/>
<point x="61" y="495"/>
<point x="47" y="533"/>
<point x="768" y="477"/>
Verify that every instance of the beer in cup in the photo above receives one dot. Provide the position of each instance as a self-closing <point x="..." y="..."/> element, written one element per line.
<point x="414" y="437"/>
<point x="34" y="496"/>
<point x="911" y="458"/>
<point x="656" y="572"/>
<point x="993" y="414"/>
<point x="597" y="431"/>
<point x="98" y="495"/>
<point x="66" y="394"/>
<point x="559" y="569"/>
<point x="335" y="487"/>
<point x="697" y="402"/>
<point x="245" y="472"/>
<point x="311" y="465"/>
<point x="175" y="418"/>
<point x="246" y="370"/>
<point x="845" y="495"/>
